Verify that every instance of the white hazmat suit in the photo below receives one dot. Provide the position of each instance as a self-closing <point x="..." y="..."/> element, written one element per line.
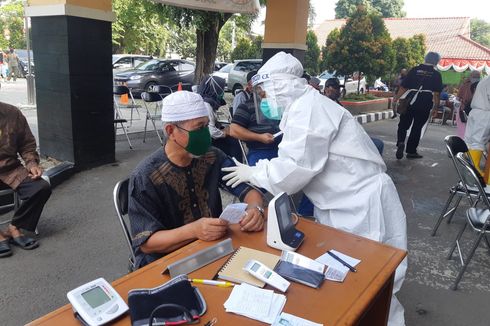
<point x="477" y="132"/>
<point x="328" y="155"/>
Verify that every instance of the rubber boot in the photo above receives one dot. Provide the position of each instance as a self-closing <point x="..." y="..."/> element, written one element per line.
<point x="475" y="155"/>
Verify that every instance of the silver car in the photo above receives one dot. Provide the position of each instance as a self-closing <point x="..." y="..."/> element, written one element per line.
<point x="237" y="77"/>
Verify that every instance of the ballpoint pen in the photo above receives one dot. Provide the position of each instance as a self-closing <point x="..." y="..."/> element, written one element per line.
<point x="222" y="284"/>
<point x="337" y="258"/>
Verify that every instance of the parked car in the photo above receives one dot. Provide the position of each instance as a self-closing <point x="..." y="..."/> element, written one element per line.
<point x="223" y="73"/>
<point x="237" y="77"/>
<point x="156" y="72"/>
<point x="122" y="62"/>
<point x="349" y="83"/>
<point x="219" y="65"/>
<point x="23" y="62"/>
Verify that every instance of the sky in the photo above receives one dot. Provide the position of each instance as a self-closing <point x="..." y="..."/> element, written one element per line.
<point x="325" y="9"/>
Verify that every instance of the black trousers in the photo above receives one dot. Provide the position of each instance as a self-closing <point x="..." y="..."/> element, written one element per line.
<point x="34" y="194"/>
<point x="415" y="117"/>
<point x="229" y="146"/>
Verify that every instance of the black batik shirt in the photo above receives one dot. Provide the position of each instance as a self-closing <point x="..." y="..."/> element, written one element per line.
<point x="164" y="196"/>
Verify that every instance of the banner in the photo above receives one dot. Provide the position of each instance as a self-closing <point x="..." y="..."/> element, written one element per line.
<point x="231" y="6"/>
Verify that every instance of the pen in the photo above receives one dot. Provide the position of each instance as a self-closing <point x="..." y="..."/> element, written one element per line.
<point x="222" y="284"/>
<point x="334" y="256"/>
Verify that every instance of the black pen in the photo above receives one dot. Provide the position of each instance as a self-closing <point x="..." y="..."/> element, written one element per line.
<point x="334" y="256"/>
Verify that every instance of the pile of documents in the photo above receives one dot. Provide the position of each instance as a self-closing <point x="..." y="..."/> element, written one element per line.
<point x="252" y="302"/>
<point x="336" y="271"/>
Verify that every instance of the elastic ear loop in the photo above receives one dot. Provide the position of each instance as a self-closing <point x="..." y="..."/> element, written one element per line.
<point x="188" y="318"/>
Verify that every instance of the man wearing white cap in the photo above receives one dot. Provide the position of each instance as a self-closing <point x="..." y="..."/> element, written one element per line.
<point x="173" y="194"/>
<point x="328" y="155"/>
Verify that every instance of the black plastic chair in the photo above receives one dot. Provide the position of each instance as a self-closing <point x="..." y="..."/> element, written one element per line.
<point x="124" y="90"/>
<point x="163" y="90"/>
<point x="120" y="195"/>
<point x="477" y="218"/>
<point x="155" y="99"/>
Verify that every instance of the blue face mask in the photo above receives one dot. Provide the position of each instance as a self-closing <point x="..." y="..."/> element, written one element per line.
<point x="270" y="114"/>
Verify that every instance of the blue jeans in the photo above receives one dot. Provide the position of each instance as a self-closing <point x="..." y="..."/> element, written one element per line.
<point x="254" y="155"/>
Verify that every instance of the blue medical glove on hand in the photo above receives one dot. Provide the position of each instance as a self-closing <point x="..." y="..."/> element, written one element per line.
<point x="238" y="174"/>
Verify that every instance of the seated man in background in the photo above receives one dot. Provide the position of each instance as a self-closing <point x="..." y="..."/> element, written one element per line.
<point x="259" y="137"/>
<point x="173" y="194"/>
<point x="445" y="106"/>
<point x="244" y="95"/>
<point x="16" y="139"/>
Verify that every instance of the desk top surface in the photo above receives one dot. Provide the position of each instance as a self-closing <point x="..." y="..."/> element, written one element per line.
<point x="332" y="304"/>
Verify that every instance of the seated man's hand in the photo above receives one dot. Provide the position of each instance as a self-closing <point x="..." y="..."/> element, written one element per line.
<point x="266" y="138"/>
<point x="253" y="220"/>
<point x="209" y="229"/>
<point x="35" y="172"/>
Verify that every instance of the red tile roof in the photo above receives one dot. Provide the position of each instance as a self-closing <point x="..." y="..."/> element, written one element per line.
<point x="448" y="36"/>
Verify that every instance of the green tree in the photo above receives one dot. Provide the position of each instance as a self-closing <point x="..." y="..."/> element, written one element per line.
<point x="247" y="49"/>
<point x="480" y="31"/>
<point x="312" y="55"/>
<point x="208" y="26"/>
<point x="12" y="25"/>
<point x="132" y="34"/>
<point x="364" y="45"/>
<point x="408" y="53"/>
<point x="385" y="8"/>
<point x="240" y="24"/>
<point x="331" y="38"/>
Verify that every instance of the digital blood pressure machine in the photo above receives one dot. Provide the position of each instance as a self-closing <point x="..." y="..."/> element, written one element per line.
<point x="281" y="233"/>
<point x="96" y="303"/>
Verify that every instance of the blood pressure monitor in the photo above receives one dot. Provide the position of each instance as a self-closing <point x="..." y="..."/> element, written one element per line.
<point x="96" y="302"/>
<point x="281" y="233"/>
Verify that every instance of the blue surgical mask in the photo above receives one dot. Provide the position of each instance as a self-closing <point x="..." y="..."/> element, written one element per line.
<point x="268" y="112"/>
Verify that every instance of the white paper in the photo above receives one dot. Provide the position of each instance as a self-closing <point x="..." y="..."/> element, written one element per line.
<point x="233" y="213"/>
<point x="336" y="271"/>
<point x="286" y="319"/>
<point x="255" y="303"/>
<point x="277" y="134"/>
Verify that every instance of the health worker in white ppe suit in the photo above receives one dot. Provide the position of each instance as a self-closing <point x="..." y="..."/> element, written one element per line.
<point x="477" y="133"/>
<point x="328" y="155"/>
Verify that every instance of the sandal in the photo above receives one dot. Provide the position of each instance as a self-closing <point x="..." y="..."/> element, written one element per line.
<point x="5" y="250"/>
<point x="25" y="242"/>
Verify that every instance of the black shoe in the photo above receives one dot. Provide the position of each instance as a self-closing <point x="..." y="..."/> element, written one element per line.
<point x="399" y="151"/>
<point x="414" y="155"/>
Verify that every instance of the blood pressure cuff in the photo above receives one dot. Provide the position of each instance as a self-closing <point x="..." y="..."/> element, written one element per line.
<point x="176" y="302"/>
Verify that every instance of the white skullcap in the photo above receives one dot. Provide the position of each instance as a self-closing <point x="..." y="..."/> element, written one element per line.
<point x="182" y="106"/>
<point x="281" y="63"/>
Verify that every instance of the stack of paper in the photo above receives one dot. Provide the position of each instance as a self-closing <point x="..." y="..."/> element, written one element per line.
<point x="291" y="320"/>
<point x="252" y="302"/>
<point x="336" y="271"/>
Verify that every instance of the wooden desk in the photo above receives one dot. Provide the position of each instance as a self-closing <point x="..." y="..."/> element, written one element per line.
<point x="363" y="298"/>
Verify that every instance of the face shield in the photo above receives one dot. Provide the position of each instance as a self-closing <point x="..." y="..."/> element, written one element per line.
<point x="269" y="97"/>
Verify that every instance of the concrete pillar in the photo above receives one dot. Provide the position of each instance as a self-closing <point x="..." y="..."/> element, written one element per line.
<point x="72" y="47"/>
<point x="286" y="24"/>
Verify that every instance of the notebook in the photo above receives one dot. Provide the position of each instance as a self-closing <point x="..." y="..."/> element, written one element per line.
<point x="233" y="271"/>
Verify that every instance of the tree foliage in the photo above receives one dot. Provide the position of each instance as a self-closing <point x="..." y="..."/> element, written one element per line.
<point x="248" y="49"/>
<point x="312" y="55"/>
<point x="363" y="44"/>
<point x="331" y="38"/>
<point x="12" y="26"/>
<point x="132" y="34"/>
<point x="409" y="52"/>
<point x="480" y="32"/>
<point x="385" y="8"/>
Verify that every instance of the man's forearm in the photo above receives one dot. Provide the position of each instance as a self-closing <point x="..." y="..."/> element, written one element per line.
<point x="169" y="240"/>
<point x="400" y="92"/>
<point x="242" y="133"/>
<point x="254" y="197"/>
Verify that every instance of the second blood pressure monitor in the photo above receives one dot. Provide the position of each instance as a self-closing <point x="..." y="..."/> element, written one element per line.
<point x="96" y="302"/>
<point x="281" y="233"/>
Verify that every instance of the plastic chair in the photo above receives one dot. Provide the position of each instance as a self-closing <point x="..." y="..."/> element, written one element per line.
<point x="155" y="99"/>
<point x="163" y="90"/>
<point x="118" y="117"/>
<point x="120" y="196"/>
<point x="477" y="218"/>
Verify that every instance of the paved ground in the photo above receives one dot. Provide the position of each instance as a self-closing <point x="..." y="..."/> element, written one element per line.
<point x="81" y="240"/>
